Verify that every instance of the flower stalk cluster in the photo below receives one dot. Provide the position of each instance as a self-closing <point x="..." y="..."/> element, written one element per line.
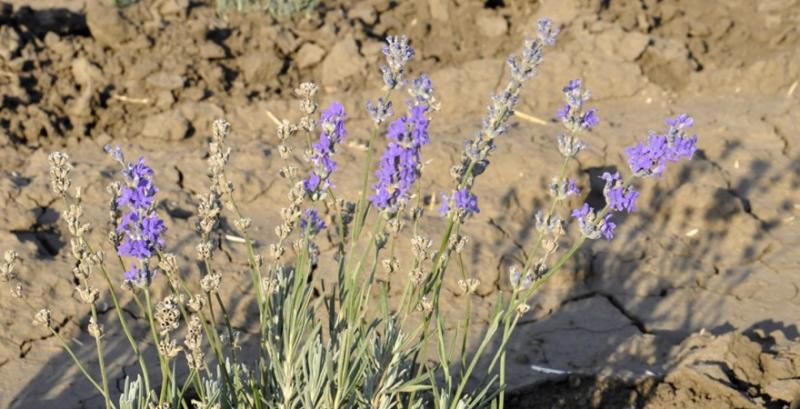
<point x="353" y="341"/>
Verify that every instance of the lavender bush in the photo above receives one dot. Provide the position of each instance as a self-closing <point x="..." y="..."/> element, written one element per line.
<point x="276" y="8"/>
<point x="366" y="353"/>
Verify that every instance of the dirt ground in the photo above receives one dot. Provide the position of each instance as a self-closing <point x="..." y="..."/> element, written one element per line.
<point x="696" y="302"/>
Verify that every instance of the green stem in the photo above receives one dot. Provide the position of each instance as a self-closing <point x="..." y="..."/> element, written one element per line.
<point x="362" y="207"/>
<point x="123" y="322"/>
<point x="214" y="334"/>
<point x="255" y="270"/>
<point x="209" y="270"/>
<point x="101" y="359"/>
<point x="540" y="238"/>
<point x="77" y="362"/>
<point x="478" y="353"/>
<point x="467" y="318"/>
<point x="156" y="340"/>
<point x="189" y="380"/>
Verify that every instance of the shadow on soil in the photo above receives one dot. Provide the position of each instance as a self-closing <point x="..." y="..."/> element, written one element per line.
<point x="601" y="353"/>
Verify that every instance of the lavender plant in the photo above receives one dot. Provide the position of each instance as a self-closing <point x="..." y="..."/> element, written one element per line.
<point x="276" y="8"/>
<point x="369" y="350"/>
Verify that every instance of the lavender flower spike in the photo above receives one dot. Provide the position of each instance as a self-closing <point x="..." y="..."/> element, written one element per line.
<point x="311" y="223"/>
<point x="333" y="132"/>
<point x="463" y="203"/>
<point x="379" y="111"/>
<point x="651" y="159"/>
<point x="400" y="162"/>
<point x="421" y="91"/>
<point x="524" y="67"/>
<point x="564" y="188"/>
<point x="141" y="228"/>
<point x="495" y="124"/>
<point x="618" y="196"/>
<point x="547" y="33"/>
<point x="572" y="113"/>
<point x="607" y="227"/>
<point x="398" y="53"/>
<point x="591" y="227"/>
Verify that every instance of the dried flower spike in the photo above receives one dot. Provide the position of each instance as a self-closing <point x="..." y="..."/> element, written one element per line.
<point x="43" y="317"/>
<point x="59" y="172"/>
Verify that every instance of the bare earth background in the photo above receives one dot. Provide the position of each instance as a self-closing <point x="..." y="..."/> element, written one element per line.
<point x="695" y="303"/>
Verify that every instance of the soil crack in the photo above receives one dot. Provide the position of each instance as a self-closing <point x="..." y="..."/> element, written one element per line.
<point x="26" y="345"/>
<point x="634" y="320"/>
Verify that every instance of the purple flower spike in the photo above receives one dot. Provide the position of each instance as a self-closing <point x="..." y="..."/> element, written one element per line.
<point x="400" y="162"/>
<point x="332" y="122"/>
<point x="563" y="188"/>
<point x="135" y="248"/>
<point x="590" y="119"/>
<point x="651" y="159"/>
<point x="141" y="228"/>
<point x="115" y="152"/>
<point x="134" y="274"/>
<point x="607" y="228"/>
<point x="590" y="226"/>
<point x="379" y="111"/>
<point x="684" y="147"/>
<point x="572" y="85"/>
<point x="466" y="201"/>
<point x="582" y="212"/>
<point x="648" y="159"/>
<point x="680" y="122"/>
<point x="618" y="196"/>
<point x="547" y="33"/>
<point x="572" y="188"/>
<point x="562" y="112"/>
<point x="311" y="223"/>
<point x="398" y="53"/>
<point x="333" y="133"/>
<point x="421" y="91"/>
<point x="572" y="115"/>
<point x="463" y="202"/>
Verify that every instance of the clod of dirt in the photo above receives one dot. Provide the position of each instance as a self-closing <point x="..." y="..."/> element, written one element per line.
<point x="259" y="68"/>
<point x="439" y="10"/>
<point x="15" y="216"/>
<point x="172" y="6"/>
<point x="108" y="26"/>
<point x="309" y="55"/>
<point x="170" y="125"/>
<point x="201" y="114"/>
<point x="165" y="80"/>
<point x="364" y="12"/>
<point x="628" y="45"/>
<point x="86" y="73"/>
<point x="9" y="42"/>
<point x="491" y="24"/>
<point x="342" y="62"/>
<point x="211" y="51"/>
<point x="667" y="64"/>
<point x="54" y="42"/>
<point x="732" y="370"/>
